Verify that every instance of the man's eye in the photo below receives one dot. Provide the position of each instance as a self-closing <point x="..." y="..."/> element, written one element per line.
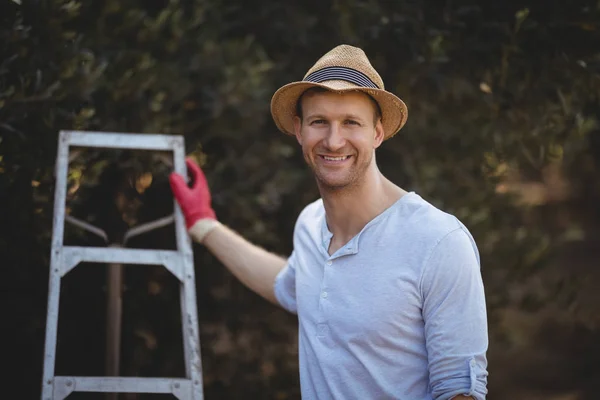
<point x="318" y="121"/>
<point x="352" y="122"/>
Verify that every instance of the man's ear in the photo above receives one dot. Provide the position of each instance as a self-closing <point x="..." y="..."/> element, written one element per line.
<point x="298" y="128"/>
<point x="379" y="134"/>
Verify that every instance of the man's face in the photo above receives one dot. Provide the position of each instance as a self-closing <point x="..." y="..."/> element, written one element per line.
<point x="338" y="135"/>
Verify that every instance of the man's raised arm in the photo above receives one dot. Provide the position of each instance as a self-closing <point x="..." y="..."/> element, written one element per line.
<point x="253" y="266"/>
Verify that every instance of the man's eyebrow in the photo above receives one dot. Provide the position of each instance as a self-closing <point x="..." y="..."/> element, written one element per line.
<point x="345" y="117"/>
<point x="353" y="116"/>
<point x="313" y="116"/>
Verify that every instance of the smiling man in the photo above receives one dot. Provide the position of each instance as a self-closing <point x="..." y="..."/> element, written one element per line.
<point x="387" y="288"/>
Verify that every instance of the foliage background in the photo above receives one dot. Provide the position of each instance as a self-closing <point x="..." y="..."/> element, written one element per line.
<point x="503" y="131"/>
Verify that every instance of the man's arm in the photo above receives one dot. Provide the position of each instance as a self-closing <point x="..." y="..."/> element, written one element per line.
<point x="455" y="319"/>
<point x="253" y="266"/>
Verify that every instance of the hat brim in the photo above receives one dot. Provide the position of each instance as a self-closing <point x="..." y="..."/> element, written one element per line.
<point x="283" y="104"/>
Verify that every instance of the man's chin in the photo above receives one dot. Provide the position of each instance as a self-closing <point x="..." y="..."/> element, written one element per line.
<point x="334" y="185"/>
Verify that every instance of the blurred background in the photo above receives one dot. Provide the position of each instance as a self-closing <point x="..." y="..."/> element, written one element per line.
<point x="503" y="131"/>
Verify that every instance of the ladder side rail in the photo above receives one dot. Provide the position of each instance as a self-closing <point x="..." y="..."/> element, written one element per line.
<point x="55" y="273"/>
<point x="189" y="312"/>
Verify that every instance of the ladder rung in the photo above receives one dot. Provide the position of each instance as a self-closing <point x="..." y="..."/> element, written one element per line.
<point x="138" y="141"/>
<point x="73" y="255"/>
<point x="122" y="384"/>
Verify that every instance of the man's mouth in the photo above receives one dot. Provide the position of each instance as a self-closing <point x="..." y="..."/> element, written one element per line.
<point x="337" y="158"/>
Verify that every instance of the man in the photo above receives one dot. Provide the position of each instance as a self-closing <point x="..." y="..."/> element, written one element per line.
<point x="387" y="288"/>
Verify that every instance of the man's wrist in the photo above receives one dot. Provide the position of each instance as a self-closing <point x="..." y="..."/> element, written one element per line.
<point x="202" y="228"/>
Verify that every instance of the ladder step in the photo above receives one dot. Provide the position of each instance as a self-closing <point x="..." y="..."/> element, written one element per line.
<point x="138" y="141"/>
<point x="73" y="255"/>
<point x="122" y="384"/>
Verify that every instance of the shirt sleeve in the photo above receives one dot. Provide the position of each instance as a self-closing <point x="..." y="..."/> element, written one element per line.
<point x="455" y="317"/>
<point x="285" y="285"/>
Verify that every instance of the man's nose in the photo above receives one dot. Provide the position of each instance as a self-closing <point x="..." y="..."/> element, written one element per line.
<point x="335" y="139"/>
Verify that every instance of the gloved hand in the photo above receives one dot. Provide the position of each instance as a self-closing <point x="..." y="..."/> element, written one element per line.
<point x="195" y="201"/>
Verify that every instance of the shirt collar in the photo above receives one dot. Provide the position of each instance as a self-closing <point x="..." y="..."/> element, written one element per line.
<point x="352" y="246"/>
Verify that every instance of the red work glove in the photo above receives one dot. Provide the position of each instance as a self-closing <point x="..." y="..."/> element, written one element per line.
<point x="194" y="201"/>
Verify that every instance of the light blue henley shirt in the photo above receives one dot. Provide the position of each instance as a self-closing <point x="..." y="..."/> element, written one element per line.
<point x="397" y="313"/>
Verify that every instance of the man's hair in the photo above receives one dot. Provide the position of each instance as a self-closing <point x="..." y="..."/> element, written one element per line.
<point x="314" y="90"/>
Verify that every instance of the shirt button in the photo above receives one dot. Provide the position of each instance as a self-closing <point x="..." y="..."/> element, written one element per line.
<point x="322" y="330"/>
<point x="328" y="262"/>
<point x="324" y="295"/>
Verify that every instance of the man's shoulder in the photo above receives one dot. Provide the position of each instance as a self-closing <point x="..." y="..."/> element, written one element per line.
<point x="312" y="210"/>
<point x="427" y="223"/>
<point x="310" y="218"/>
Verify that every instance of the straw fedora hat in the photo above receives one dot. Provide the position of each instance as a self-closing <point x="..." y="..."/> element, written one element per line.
<point x="344" y="68"/>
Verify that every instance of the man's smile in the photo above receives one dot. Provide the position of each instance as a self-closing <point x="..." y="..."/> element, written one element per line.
<point x="333" y="159"/>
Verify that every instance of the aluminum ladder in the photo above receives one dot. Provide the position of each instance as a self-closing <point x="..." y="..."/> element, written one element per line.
<point x="64" y="258"/>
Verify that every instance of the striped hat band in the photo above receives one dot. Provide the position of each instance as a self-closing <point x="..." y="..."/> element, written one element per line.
<point x="341" y="73"/>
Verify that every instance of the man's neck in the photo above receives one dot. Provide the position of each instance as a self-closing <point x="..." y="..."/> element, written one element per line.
<point x="349" y="210"/>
